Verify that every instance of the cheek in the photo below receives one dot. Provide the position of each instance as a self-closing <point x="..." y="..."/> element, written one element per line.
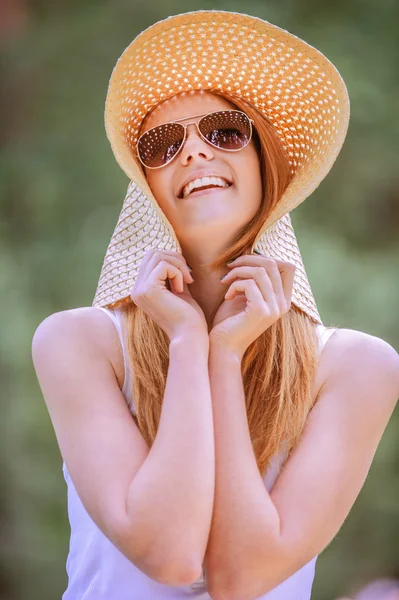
<point x="158" y="181"/>
<point x="253" y="176"/>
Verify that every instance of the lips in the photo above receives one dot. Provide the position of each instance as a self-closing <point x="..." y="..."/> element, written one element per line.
<point x="205" y="192"/>
<point x="208" y="181"/>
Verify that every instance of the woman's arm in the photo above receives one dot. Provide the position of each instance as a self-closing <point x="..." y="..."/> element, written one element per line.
<point x="257" y="539"/>
<point x="170" y="500"/>
<point x="154" y="504"/>
<point x="244" y="517"/>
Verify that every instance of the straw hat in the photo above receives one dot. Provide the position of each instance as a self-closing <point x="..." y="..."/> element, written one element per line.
<point x="294" y="85"/>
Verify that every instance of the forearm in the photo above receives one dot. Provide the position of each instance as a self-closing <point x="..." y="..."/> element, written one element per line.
<point x="170" y="501"/>
<point x="244" y="515"/>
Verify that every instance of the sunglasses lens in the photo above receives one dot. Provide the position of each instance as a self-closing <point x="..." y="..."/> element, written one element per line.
<point x="227" y="129"/>
<point x="159" y="145"/>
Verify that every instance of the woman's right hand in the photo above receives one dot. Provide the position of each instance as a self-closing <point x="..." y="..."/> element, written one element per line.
<point x="175" y="311"/>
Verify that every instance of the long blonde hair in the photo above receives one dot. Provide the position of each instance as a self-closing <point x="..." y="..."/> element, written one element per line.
<point x="278" y="368"/>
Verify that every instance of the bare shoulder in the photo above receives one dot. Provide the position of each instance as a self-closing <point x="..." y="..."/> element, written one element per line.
<point x="360" y="361"/>
<point x="88" y="323"/>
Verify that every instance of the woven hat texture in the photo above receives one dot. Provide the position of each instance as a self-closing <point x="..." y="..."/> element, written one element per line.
<point x="290" y="82"/>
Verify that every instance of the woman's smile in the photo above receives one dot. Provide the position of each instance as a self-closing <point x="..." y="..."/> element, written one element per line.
<point x="205" y="191"/>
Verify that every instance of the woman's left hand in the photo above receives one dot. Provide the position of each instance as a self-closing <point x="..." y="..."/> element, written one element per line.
<point x="259" y="293"/>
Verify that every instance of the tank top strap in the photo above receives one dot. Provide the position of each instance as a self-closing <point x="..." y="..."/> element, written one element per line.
<point x="127" y="389"/>
<point x="324" y="334"/>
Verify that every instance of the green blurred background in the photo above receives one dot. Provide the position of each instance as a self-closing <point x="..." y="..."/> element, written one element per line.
<point x="61" y="191"/>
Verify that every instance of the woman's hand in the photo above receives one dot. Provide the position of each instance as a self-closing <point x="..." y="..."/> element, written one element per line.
<point x="259" y="293"/>
<point x="175" y="311"/>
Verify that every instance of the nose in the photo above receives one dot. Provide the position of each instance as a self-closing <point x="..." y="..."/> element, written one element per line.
<point x="194" y="146"/>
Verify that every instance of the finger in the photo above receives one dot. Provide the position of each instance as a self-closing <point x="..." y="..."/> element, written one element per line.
<point x="254" y="297"/>
<point x="286" y="270"/>
<point x="173" y="258"/>
<point x="287" y="279"/>
<point x="164" y="270"/>
<point x="270" y="266"/>
<point x="247" y="287"/>
<point x="160" y="254"/>
<point x="153" y="252"/>
<point x="275" y="277"/>
<point x="258" y="274"/>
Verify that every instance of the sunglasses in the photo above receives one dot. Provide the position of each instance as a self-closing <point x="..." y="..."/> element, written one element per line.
<point x="229" y="130"/>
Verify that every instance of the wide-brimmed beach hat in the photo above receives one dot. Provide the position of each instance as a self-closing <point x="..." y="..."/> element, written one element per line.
<point x="287" y="80"/>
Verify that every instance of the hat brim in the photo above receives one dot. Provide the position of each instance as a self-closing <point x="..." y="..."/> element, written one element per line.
<point x="289" y="81"/>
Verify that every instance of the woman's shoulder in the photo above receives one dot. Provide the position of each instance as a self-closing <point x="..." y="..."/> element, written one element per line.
<point x="92" y="324"/>
<point x="359" y="344"/>
<point x="85" y="318"/>
<point x="350" y="354"/>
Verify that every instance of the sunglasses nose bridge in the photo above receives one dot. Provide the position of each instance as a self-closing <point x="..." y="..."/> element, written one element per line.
<point x="186" y="132"/>
<point x="187" y="125"/>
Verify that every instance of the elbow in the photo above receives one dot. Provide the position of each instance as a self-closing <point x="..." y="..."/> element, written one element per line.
<point x="169" y="570"/>
<point x="253" y="580"/>
<point x="178" y="573"/>
<point x="228" y="595"/>
<point x="168" y="560"/>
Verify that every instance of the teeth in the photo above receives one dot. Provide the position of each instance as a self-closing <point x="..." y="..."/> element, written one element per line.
<point x="202" y="182"/>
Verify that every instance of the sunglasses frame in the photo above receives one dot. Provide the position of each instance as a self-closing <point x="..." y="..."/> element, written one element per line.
<point x="196" y="123"/>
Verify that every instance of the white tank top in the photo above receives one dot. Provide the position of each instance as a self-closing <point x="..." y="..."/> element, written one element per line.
<point x="97" y="570"/>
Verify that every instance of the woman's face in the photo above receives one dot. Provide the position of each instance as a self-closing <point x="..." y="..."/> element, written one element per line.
<point x="215" y="215"/>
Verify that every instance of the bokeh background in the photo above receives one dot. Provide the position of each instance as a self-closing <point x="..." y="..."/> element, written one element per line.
<point x="61" y="191"/>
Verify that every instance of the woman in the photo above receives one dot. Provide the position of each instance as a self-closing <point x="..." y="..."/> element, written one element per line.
<point x="251" y="436"/>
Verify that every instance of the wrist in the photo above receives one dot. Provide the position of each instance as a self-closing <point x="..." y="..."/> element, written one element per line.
<point x="218" y="348"/>
<point x="190" y="339"/>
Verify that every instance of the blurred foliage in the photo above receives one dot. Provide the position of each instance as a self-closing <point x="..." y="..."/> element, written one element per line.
<point x="61" y="192"/>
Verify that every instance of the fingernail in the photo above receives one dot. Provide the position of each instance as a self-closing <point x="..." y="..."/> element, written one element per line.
<point x="223" y="276"/>
<point x="189" y="267"/>
<point x="257" y="252"/>
<point x="230" y="261"/>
